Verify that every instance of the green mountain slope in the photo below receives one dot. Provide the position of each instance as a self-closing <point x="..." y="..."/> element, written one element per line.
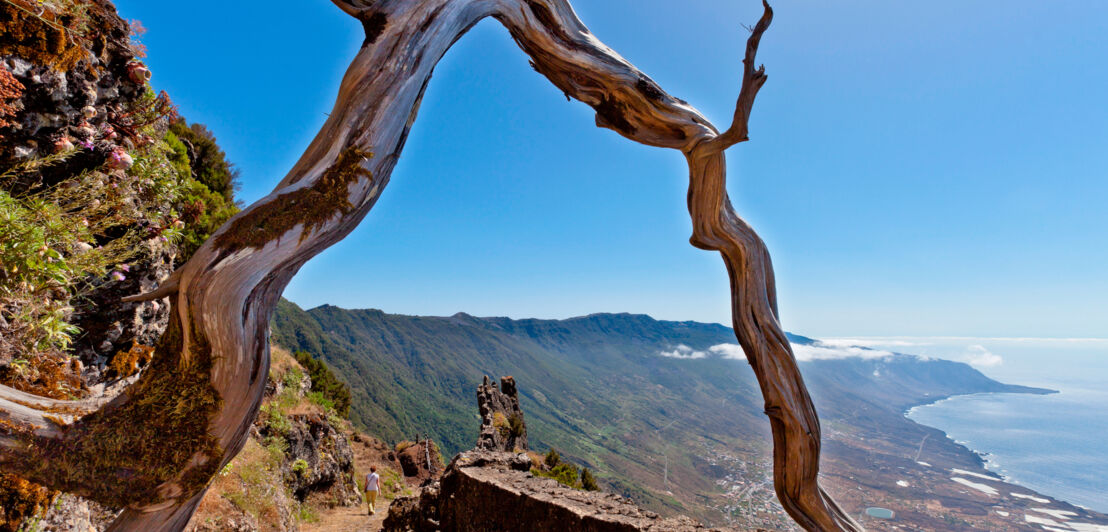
<point x="663" y="430"/>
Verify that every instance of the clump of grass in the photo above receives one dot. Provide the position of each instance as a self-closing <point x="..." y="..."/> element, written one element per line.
<point x="273" y="418"/>
<point x="293" y="377"/>
<point x="392" y="483"/>
<point x="258" y="471"/>
<point x="300" y="467"/>
<point x="500" y="423"/>
<point x="515" y="425"/>
<point x="307" y="514"/>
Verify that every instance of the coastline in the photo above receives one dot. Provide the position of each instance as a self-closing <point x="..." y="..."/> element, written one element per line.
<point x="991" y="461"/>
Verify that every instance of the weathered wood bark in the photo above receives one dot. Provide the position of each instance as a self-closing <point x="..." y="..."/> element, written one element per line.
<point x="216" y="356"/>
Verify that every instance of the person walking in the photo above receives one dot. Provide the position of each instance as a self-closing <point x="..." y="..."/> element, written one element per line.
<point x="372" y="486"/>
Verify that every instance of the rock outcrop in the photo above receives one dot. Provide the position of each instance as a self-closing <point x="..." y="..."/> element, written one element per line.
<point x="110" y="326"/>
<point x="493" y="488"/>
<point x="502" y="424"/>
<point x="69" y="513"/>
<point x="420" y="460"/>
<point x="487" y="490"/>
<point x="77" y="87"/>
<point x="85" y="89"/>
<point x="319" y="461"/>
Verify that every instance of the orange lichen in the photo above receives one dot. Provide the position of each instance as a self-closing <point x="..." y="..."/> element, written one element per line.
<point x="127" y="363"/>
<point x="10" y="89"/>
<point x="40" y="38"/>
<point x="52" y="375"/>
<point x="11" y="428"/>
<point x="56" y="420"/>
<point x="20" y="500"/>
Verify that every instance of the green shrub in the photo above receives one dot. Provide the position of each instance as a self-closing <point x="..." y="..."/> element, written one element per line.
<point x="553" y="459"/>
<point x="564" y="472"/>
<point x="207" y="161"/>
<point x="392" y="484"/>
<point x="300" y="467"/>
<point x="588" y="481"/>
<point x="202" y="208"/>
<point x="326" y="383"/>
<point x="293" y="378"/>
<point x="307" y="514"/>
<point x="322" y="400"/>
<point x="274" y="419"/>
<point x="516" y="426"/>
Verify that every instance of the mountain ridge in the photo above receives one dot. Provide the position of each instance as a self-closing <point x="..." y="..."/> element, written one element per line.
<point x="663" y="430"/>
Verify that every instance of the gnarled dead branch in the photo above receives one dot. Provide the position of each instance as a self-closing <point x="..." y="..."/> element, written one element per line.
<point x="197" y="400"/>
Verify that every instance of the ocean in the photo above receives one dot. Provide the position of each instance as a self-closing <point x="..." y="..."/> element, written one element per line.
<point x="1055" y="444"/>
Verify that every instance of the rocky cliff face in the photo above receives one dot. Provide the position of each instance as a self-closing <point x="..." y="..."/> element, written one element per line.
<point x="79" y="79"/>
<point x="491" y="488"/>
<point x="298" y="460"/>
<point x="487" y="490"/>
<point x="319" y="461"/>
<point x="75" y="101"/>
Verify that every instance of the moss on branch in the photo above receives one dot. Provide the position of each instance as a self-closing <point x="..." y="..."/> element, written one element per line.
<point x="122" y="454"/>
<point x="311" y="206"/>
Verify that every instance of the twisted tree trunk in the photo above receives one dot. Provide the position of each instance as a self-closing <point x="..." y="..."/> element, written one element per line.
<point x="155" y="448"/>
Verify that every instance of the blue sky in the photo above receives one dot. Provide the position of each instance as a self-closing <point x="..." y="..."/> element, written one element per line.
<point x="916" y="169"/>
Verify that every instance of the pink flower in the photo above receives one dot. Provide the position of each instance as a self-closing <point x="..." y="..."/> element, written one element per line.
<point x="118" y="276"/>
<point x="120" y="159"/>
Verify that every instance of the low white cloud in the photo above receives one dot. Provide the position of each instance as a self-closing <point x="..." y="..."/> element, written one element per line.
<point x="821" y="351"/>
<point x="868" y="342"/>
<point x="731" y="351"/>
<point x="979" y="355"/>
<point x="803" y="353"/>
<point x="683" y="351"/>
